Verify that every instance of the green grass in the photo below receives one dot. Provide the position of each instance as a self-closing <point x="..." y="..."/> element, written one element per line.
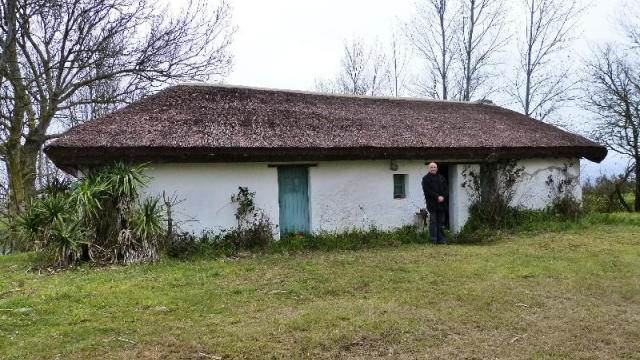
<point x="537" y="295"/>
<point x="537" y="221"/>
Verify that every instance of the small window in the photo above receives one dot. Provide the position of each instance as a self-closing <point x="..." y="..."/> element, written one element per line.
<point x="399" y="186"/>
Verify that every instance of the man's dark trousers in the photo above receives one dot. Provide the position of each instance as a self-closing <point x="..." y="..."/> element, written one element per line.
<point x="436" y="224"/>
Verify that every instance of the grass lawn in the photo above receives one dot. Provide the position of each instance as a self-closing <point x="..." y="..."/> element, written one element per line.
<point x="572" y="294"/>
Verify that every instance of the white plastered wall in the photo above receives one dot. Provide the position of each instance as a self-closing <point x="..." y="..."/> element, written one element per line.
<point x="536" y="191"/>
<point x="359" y="194"/>
<point x="343" y="195"/>
<point x="459" y="197"/>
<point x="204" y="192"/>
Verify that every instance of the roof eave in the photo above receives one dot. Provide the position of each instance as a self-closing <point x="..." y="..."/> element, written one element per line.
<point x="69" y="158"/>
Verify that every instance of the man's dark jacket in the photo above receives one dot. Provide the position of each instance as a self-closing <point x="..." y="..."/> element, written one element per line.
<point x="434" y="185"/>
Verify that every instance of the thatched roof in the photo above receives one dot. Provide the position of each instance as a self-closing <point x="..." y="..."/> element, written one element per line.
<point x="206" y="123"/>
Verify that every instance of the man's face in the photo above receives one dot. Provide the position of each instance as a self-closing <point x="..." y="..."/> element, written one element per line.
<point x="433" y="168"/>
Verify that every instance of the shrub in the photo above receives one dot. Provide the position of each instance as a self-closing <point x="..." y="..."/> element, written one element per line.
<point x="50" y="223"/>
<point x="7" y="242"/>
<point x="566" y="207"/>
<point x="350" y="240"/>
<point x="254" y="229"/>
<point x="491" y="192"/>
<point x="183" y="245"/>
<point x="100" y="218"/>
<point x="609" y="193"/>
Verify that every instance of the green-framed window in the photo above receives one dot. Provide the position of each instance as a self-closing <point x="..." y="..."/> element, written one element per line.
<point x="399" y="186"/>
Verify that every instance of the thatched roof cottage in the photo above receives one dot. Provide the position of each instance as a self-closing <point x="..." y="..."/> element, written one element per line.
<point x="319" y="162"/>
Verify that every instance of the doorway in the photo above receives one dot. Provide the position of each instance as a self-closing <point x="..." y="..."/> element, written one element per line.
<point x="293" y="199"/>
<point x="443" y="169"/>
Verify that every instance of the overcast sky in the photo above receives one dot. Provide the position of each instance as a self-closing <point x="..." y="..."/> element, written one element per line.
<point x="287" y="44"/>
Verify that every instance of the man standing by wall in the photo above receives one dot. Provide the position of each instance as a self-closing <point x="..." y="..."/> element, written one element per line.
<point x="436" y="191"/>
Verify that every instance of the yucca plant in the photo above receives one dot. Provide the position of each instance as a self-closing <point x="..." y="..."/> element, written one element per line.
<point x="56" y="186"/>
<point x="56" y="207"/>
<point x="124" y="181"/>
<point x="31" y="223"/>
<point x="140" y="241"/>
<point x="147" y="219"/>
<point x="52" y="224"/>
<point x="88" y="197"/>
<point x="65" y="239"/>
<point x="100" y="218"/>
<point x="35" y="222"/>
<point x="105" y="197"/>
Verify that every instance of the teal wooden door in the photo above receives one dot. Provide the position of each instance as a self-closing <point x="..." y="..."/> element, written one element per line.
<point x="293" y="198"/>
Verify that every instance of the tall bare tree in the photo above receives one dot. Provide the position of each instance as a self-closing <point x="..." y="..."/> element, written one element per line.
<point x="363" y="71"/>
<point x="54" y="51"/>
<point x="543" y="81"/>
<point x="459" y="41"/>
<point x="482" y="37"/>
<point x="613" y="94"/>
<point x="432" y="32"/>
<point x="398" y="61"/>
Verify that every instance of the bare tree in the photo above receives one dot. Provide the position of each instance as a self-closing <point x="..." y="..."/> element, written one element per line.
<point x="325" y="86"/>
<point x="613" y="94"/>
<point x="432" y="33"/>
<point x="54" y="52"/>
<point x="459" y="42"/>
<point x="363" y="71"/>
<point x="630" y="22"/>
<point x="482" y="37"/>
<point x="399" y="59"/>
<point x="543" y="83"/>
<point x="354" y="64"/>
<point x="379" y="74"/>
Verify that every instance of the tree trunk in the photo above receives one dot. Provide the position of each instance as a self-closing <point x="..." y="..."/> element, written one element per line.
<point x="527" y="88"/>
<point x="469" y="52"/>
<point x="636" y="205"/>
<point x="20" y="158"/>
<point x="443" y="72"/>
<point x="21" y="172"/>
<point x="488" y="182"/>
